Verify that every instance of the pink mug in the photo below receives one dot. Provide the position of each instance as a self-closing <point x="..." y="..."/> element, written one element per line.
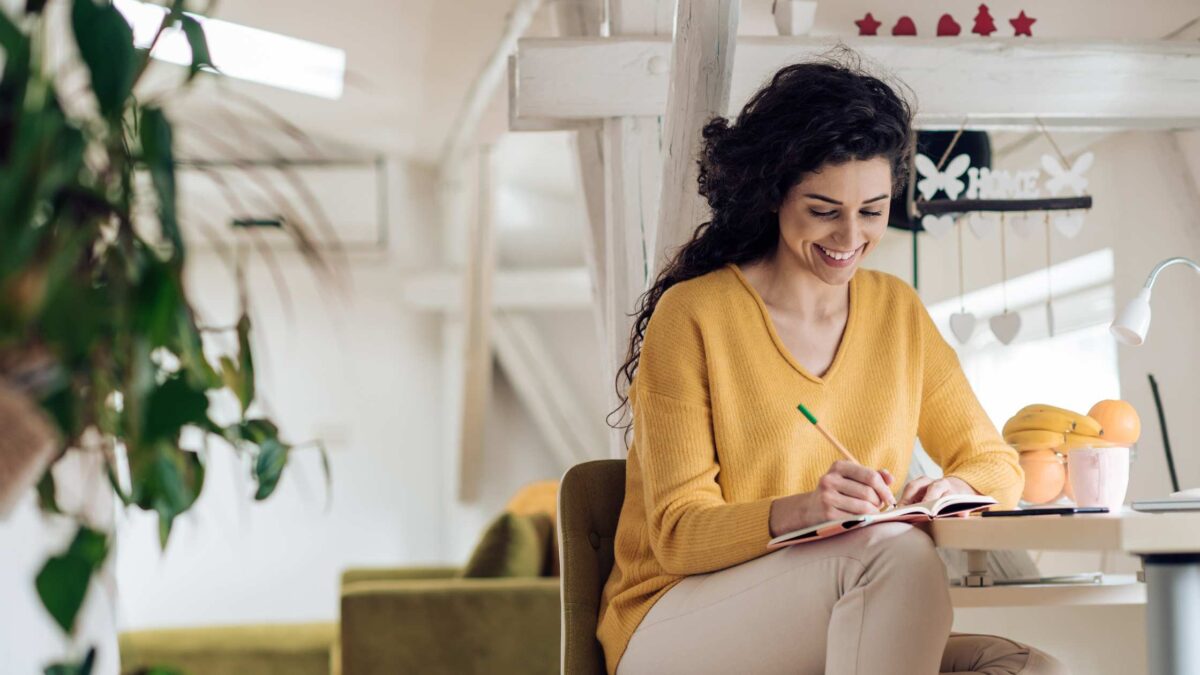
<point x="1099" y="476"/>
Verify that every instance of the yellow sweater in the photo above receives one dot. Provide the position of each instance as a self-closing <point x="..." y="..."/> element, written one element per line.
<point x="717" y="437"/>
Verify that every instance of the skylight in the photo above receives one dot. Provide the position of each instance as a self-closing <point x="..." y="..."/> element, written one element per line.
<point x="244" y="53"/>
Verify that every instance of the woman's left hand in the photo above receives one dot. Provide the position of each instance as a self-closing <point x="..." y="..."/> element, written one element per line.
<point x="924" y="489"/>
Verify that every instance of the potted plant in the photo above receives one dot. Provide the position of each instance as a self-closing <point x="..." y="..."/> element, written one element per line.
<point x="100" y="349"/>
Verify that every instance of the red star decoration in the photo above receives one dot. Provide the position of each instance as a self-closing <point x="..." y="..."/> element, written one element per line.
<point x="867" y="25"/>
<point x="1022" y="24"/>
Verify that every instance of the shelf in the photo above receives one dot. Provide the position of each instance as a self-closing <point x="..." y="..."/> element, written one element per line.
<point x="1116" y="589"/>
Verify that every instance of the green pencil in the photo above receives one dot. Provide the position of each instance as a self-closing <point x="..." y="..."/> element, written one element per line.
<point x="836" y="443"/>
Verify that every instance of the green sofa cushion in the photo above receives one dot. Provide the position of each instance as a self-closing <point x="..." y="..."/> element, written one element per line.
<point x="512" y="546"/>
<point x="272" y="649"/>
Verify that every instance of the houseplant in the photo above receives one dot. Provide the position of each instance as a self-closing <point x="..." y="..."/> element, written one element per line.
<point x="100" y="349"/>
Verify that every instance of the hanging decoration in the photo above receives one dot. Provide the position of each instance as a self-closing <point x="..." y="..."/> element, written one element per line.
<point x="1005" y="325"/>
<point x="1049" y="282"/>
<point x="962" y="322"/>
<point x="904" y="26"/>
<point x="983" y="225"/>
<point x="937" y="225"/>
<point x="1022" y="24"/>
<point x="1024" y="225"/>
<point x="868" y="25"/>
<point x="934" y="179"/>
<point x="1069" y="179"/>
<point x="987" y="192"/>
<point x="948" y="27"/>
<point x="985" y="25"/>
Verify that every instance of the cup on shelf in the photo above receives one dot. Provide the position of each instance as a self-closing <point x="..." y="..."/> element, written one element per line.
<point x="1099" y="476"/>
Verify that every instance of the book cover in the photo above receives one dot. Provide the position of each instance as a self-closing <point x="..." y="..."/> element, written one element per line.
<point x="942" y="507"/>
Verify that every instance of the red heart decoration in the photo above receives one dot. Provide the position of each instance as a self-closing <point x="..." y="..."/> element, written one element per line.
<point x="904" y="26"/>
<point x="948" y="26"/>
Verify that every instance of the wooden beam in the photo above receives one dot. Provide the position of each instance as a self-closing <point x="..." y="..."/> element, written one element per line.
<point x="477" y="357"/>
<point x="794" y="17"/>
<point x="701" y="73"/>
<point x="484" y="87"/>
<point x="994" y="83"/>
<point x="619" y="171"/>
<point x="632" y="171"/>
<point x="512" y="290"/>
<point x="545" y="394"/>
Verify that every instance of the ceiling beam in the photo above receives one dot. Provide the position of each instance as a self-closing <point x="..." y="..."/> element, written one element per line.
<point x="994" y="83"/>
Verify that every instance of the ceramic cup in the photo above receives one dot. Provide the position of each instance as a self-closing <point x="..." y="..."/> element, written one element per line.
<point x="1099" y="476"/>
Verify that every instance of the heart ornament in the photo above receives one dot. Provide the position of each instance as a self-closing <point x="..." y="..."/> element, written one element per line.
<point x="983" y="226"/>
<point x="937" y="225"/>
<point x="962" y="324"/>
<point x="1069" y="225"/>
<point x="1005" y="326"/>
<point x="1023" y="225"/>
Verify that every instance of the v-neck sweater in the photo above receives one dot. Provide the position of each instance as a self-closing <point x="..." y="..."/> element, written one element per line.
<point x="717" y="436"/>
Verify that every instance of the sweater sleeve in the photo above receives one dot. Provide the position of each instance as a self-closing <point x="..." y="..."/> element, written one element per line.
<point x="692" y="529"/>
<point x="955" y="430"/>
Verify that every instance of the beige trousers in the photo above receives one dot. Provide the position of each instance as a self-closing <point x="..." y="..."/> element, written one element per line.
<point x="870" y="602"/>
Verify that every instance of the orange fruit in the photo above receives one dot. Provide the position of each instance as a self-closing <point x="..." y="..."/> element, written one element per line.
<point x="1045" y="475"/>
<point x="1119" y="420"/>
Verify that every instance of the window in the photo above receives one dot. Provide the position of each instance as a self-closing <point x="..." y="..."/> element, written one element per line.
<point x="1073" y="368"/>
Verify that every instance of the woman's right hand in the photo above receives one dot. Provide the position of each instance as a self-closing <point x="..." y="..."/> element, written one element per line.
<point x="847" y="489"/>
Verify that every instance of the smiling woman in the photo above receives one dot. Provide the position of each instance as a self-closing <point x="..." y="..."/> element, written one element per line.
<point x="765" y="307"/>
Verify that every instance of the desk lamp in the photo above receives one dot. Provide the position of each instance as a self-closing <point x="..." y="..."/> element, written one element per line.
<point x="1130" y="327"/>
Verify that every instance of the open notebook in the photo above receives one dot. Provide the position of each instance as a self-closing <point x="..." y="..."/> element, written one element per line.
<point x="937" y="508"/>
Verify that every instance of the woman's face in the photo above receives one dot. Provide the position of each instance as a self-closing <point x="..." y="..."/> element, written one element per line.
<point x="835" y="215"/>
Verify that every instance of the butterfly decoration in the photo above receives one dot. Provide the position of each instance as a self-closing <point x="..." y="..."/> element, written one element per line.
<point x="1062" y="178"/>
<point x="948" y="181"/>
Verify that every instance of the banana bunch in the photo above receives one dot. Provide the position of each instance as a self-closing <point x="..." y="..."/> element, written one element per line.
<point x="1045" y="427"/>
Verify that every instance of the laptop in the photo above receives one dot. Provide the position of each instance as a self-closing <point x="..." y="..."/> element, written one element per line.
<point x="1184" y="500"/>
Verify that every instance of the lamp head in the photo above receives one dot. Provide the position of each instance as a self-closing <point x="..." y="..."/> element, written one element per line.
<point x="1131" y="324"/>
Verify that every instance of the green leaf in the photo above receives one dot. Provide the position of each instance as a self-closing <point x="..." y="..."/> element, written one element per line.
<point x="258" y="430"/>
<point x="47" y="492"/>
<point x="268" y="466"/>
<point x="158" y="301"/>
<point x="171" y="406"/>
<point x="195" y="36"/>
<point x="189" y="346"/>
<point x="11" y="37"/>
<point x="63" y="407"/>
<point x="245" y="362"/>
<point x="84" y="667"/>
<point x="63" y="582"/>
<point x="156" y="138"/>
<point x="165" y="480"/>
<point x="106" y="44"/>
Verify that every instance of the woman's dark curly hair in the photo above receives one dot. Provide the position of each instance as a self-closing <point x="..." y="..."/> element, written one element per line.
<point x="811" y="114"/>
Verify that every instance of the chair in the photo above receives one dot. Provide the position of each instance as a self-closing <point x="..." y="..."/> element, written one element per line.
<point x="589" y="504"/>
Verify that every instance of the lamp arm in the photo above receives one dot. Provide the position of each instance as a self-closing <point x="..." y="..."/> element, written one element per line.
<point x="1167" y="263"/>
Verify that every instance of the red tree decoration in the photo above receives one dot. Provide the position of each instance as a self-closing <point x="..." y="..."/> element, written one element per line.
<point x="984" y="23"/>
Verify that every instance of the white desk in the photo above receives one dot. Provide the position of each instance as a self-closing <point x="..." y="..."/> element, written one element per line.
<point x="1168" y="543"/>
